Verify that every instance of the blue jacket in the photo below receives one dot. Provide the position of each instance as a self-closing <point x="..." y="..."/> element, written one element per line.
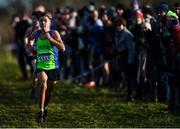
<point x="124" y="41"/>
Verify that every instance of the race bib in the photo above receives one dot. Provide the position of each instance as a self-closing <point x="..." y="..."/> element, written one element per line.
<point x="44" y="57"/>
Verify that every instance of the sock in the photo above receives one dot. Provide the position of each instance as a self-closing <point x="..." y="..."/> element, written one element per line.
<point x="42" y="109"/>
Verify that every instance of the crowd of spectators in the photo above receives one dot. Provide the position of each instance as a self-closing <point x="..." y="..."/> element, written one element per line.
<point x="135" y="48"/>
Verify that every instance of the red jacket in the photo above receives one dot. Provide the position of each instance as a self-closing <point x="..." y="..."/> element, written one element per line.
<point x="174" y="27"/>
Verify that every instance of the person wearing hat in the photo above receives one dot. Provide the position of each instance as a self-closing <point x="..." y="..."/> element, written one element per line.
<point x="132" y="13"/>
<point x="169" y="46"/>
<point x="141" y="26"/>
<point x="174" y="27"/>
<point x="135" y="4"/>
<point x="164" y="41"/>
<point x="163" y="9"/>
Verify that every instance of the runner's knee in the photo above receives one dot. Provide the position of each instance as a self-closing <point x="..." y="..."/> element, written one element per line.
<point x="42" y="77"/>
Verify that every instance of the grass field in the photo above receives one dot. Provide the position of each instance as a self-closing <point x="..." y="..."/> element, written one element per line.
<point x="74" y="106"/>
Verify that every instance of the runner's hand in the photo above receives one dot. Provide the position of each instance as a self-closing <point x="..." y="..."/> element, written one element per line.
<point x="48" y="36"/>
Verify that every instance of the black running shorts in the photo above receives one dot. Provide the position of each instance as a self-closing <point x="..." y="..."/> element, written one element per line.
<point x="53" y="75"/>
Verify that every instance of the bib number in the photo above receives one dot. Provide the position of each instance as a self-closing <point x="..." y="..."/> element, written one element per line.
<point x="44" y="57"/>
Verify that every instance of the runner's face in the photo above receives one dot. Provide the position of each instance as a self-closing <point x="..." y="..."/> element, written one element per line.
<point x="45" y="23"/>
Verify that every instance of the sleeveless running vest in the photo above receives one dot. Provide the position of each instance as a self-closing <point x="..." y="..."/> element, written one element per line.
<point x="47" y="53"/>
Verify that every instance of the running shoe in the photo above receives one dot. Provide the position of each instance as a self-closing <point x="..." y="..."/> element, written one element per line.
<point x="45" y="114"/>
<point x="40" y="117"/>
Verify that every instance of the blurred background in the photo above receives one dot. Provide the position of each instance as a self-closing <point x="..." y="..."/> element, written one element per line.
<point x="9" y="8"/>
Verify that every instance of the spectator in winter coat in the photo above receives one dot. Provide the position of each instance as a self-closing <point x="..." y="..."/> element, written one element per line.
<point x="174" y="27"/>
<point x="126" y="52"/>
<point x="166" y="34"/>
<point x="95" y="41"/>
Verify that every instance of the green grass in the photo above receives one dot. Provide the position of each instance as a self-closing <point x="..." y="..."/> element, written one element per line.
<point x="74" y="106"/>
